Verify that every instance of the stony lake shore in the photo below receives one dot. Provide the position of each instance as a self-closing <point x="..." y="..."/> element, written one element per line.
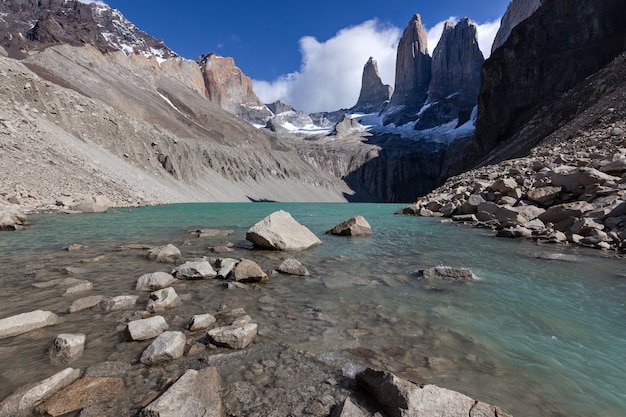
<point x="215" y="363"/>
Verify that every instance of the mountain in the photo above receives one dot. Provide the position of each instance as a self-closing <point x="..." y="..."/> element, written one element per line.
<point x="374" y="94"/>
<point x="83" y="118"/>
<point x="516" y="12"/>
<point x="33" y="25"/>
<point x="413" y="72"/>
<point x="561" y="44"/>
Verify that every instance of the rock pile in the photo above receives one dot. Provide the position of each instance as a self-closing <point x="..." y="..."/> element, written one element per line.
<point x="572" y="193"/>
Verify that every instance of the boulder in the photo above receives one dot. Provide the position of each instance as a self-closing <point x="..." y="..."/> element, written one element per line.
<point x="162" y="299"/>
<point x="226" y="266"/>
<point x="201" y="321"/>
<point x="591" y="176"/>
<point x="89" y="205"/>
<point x="279" y="231"/>
<point x="194" y="270"/>
<point x="446" y="273"/>
<point x="154" y="281"/>
<point x="25" y="322"/>
<point x="167" y="254"/>
<point x="145" y="329"/>
<point x="236" y="336"/>
<point x="504" y="186"/>
<point x="354" y="226"/>
<point x="560" y="212"/>
<point x="292" y="266"/>
<point x="81" y="394"/>
<point x="517" y="231"/>
<point x="11" y="219"/>
<point x="544" y="196"/>
<point x="119" y="302"/>
<point x="67" y="348"/>
<point x="166" y="347"/>
<point x="194" y="394"/>
<point x="403" y="398"/>
<point x="249" y="271"/>
<point x="25" y="398"/>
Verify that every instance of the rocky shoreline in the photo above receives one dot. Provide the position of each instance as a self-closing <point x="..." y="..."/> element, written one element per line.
<point x="571" y="193"/>
<point x="217" y="363"/>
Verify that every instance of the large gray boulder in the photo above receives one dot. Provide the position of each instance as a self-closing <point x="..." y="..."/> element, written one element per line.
<point x="195" y="394"/>
<point x="161" y="300"/>
<point x="194" y="270"/>
<point x="279" y="231"/>
<point x="354" y="226"/>
<point x="403" y="398"/>
<point x="236" y="336"/>
<point x="25" y="322"/>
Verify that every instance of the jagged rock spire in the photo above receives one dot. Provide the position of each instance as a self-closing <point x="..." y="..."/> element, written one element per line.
<point x="374" y="94"/>
<point x="455" y="80"/>
<point x="413" y="67"/>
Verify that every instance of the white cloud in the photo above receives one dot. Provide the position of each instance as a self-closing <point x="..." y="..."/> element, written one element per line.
<point x="329" y="77"/>
<point x="330" y="74"/>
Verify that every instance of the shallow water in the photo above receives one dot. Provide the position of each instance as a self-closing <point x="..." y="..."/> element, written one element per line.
<point x="535" y="337"/>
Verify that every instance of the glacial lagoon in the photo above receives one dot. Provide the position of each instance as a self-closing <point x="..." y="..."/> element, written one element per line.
<point x="531" y="335"/>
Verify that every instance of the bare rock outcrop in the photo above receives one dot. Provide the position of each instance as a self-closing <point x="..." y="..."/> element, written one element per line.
<point x="231" y="89"/>
<point x="516" y="12"/>
<point x="455" y="81"/>
<point x="413" y="71"/>
<point x="374" y="94"/>
<point x="557" y="47"/>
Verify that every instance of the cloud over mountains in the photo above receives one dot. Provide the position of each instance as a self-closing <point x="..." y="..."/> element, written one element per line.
<point x="329" y="77"/>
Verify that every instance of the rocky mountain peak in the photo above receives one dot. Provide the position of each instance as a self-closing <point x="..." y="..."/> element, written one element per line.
<point x="374" y="94"/>
<point x="455" y="80"/>
<point x="228" y="87"/>
<point x="30" y="25"/>
<point x="413" y="69"/>
<point x="517" y="11"/>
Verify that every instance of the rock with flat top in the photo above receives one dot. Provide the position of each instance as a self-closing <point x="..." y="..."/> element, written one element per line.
<point x="67" y="348"/>
<point x="354" y="226"/>
<point x="446" y="273"/>
<point x="201" y="321"/>
<point x="25" y="322"/>
<point x="85" y="303"/>
<point x="196" y="393"/>
<point x="118" y="302"/>
<point x="145" y="329"/>
<point x="166" y="347"/>
<point x="27" y="397"/>
<point x="236" y="336"/>
<point x="194" y="270"/>
<point x="279" y="231"/>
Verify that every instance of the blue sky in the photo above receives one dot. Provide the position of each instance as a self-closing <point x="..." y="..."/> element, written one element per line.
<point x="305" y="53"/>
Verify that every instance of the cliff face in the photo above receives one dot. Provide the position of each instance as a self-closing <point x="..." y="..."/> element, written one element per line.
<point x="374" y="94"/>
<point x="228" y="87"/>
<point x="557" y="47"/>
<point x="517" y="11"/>
<point x="455" y="81"/>
<point x="413" y="69"/>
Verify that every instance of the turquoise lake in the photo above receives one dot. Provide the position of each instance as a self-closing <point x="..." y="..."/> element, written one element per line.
<point x="533" y="336"/>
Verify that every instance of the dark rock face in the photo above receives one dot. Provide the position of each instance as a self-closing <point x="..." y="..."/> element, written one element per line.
<point x="413" y="70"/>
<point x="517" y="11"/>
<point x="228" y="87"/>
<point x="374" y="94"/>
<point x="74" y="23"/>
<point x="553" y="50"/>
<point x="455" y="82"/>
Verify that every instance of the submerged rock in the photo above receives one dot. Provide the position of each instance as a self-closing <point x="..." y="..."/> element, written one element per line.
<point x="196" y="393"/>
<point x="82" y="394"/>
<point x="194" y="270"/>
<point x="167" y="254"/>
<point x="446" y="273"/>
<point x="238" y="335"/>
<point x="279" y="231"/>
<point x="154" y="281"/>
<point x="403" y="398"/>
<point x="166" y="347"/>
<point x="162" y="299"/>
<point x="25" y="322"/>
<point x="292" y="266"/>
